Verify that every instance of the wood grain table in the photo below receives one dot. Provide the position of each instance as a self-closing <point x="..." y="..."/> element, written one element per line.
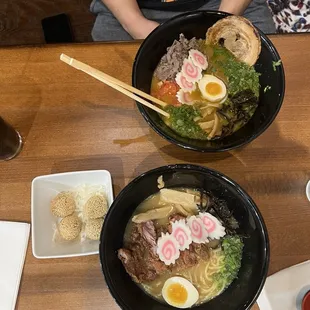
<point x="71" y="122"/>
<point x="20" y="20"/>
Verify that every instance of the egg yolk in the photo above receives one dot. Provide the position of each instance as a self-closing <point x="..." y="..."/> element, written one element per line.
<point x="213" y="88"/>
<point x="177" y="293"/>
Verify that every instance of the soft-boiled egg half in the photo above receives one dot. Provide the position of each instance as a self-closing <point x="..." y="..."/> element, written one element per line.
<point x="212" y="88"/>
<point x="179" y="292"/>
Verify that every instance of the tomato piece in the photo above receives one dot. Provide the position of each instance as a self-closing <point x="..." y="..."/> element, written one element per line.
<point x="168" y="91"/>
<point x="168" y="88"/>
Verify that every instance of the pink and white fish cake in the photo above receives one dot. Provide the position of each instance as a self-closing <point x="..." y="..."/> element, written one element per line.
<point x="184" y="97"/>
<point x="198" y="59"/>
<point x="182" y="234"/>
<point x="212" y="225"/>
<point x="190" y="71"/>
<point x="184" y="83"/>
<point x="198" y="232"/>
<point x="168" y="249"/>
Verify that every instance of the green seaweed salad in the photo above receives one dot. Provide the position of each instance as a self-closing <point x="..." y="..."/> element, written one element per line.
<point x="243" y="86"/>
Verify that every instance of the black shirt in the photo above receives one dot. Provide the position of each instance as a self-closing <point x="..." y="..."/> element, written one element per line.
<point x="176" y="5"/>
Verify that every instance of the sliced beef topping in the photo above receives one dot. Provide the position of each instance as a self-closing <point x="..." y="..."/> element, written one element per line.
<point x="139" y="258"/>
<point x="171" y="63"/>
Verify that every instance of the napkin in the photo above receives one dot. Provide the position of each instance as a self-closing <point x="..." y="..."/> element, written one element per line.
<point x="286" y="289"/>
<point x="13" y="246"/>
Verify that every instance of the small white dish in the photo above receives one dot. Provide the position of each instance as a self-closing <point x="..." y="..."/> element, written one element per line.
<point x="308" y="190"/>
<point x="46" y="187"/>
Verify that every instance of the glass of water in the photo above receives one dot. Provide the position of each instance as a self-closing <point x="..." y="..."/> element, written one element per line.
<point x="10" y="141"/>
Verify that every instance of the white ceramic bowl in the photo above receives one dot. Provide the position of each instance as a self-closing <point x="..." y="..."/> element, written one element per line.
<point x="46" y="187"/>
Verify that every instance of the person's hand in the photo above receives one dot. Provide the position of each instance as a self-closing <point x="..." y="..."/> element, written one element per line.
<point x="141" y="27"/>
<point x="236" y="7"/>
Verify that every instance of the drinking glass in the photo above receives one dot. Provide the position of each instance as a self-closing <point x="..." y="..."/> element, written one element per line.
<point x="10" y="141"/>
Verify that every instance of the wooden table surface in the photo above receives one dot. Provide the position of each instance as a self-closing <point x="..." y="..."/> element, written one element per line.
<point x="71" y="122"/>
<point x="20" y="20"/>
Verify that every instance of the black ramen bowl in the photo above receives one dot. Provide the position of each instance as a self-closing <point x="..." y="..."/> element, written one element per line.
<point x="243" y="291"/>
<point x="196" y="24"/>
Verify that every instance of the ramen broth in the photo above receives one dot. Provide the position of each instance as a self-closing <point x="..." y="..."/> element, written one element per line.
<point x="200" y="276"/>
<point x="203" y="275"/>
<point x="193" y="114"/>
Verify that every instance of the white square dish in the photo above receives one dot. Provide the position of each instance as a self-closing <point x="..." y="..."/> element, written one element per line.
<point x="46" y="187"/>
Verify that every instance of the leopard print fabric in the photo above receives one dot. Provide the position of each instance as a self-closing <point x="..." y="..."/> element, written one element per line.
<point x="291" y="16"/>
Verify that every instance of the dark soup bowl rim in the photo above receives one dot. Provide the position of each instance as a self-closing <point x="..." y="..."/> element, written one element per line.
<point x="199" y="169"/>
<point x="153" y="124"/>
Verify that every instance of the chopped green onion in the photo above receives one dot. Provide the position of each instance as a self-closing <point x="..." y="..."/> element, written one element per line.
<point x="268" y="87"/>
<point x="275" y="64"/>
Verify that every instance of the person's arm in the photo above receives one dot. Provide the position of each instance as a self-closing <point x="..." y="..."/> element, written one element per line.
<point x="131" y="18"/>
<point x="236" y="7"/>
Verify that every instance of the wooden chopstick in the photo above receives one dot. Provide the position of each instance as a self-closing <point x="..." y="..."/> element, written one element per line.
<point x="116" y="84"/>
